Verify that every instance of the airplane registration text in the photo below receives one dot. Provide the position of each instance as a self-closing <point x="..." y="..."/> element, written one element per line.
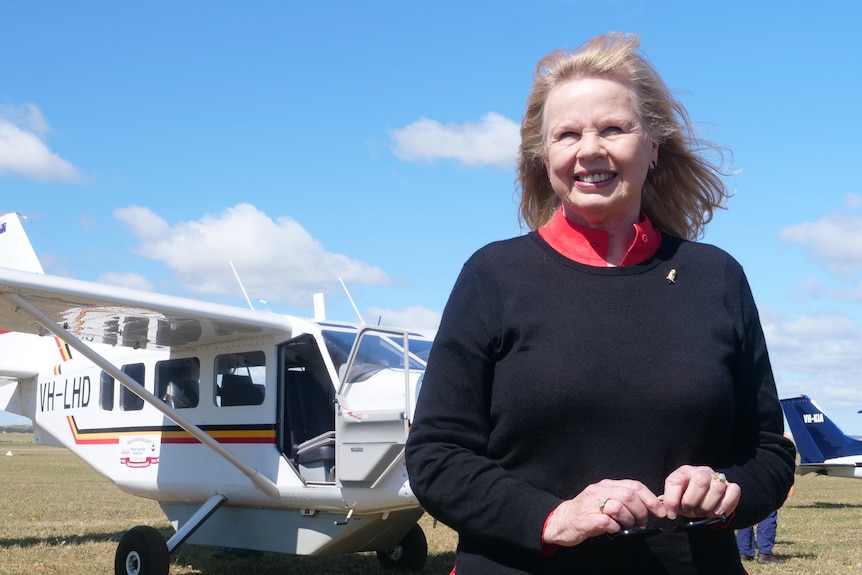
<point x="69" y="394"/>
<point x="812" y="417"/>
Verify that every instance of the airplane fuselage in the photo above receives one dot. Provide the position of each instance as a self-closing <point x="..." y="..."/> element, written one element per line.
<point x="146" y="454"/>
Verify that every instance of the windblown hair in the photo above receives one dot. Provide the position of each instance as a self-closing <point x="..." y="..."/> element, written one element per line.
<point x="680" y="195"/>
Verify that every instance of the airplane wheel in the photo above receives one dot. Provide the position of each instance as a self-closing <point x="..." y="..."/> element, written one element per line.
<point x="408" y="555"/>
<point x="142" y="551"/>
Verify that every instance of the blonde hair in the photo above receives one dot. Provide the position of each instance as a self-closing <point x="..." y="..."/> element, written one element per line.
<point x="680" y="195"/>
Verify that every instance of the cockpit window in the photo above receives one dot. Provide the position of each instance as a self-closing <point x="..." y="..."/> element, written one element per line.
<point x="338" y="344"/>
<point x="420" y="348"/>
<point x="376" y="352"/>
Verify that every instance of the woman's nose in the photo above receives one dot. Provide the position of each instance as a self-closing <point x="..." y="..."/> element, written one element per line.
<point x="591" y="145"/>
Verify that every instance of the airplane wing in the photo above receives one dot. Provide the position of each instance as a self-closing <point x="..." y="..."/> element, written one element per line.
<point x="99" y="313"/>
<point x="837" y="469"/>
<point x="93" y="312"/>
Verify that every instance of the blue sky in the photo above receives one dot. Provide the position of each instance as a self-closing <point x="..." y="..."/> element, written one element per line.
<point x="154" y="144"/>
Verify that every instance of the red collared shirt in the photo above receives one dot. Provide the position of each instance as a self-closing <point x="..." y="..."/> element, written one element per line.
<point x="590" y="246"/>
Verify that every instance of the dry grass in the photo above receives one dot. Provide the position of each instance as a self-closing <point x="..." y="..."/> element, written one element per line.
<point x="59" y="516"/>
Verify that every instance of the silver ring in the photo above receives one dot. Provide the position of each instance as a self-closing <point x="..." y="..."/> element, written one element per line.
<point x="602" y="501"/>
<point x="719" y="477"/>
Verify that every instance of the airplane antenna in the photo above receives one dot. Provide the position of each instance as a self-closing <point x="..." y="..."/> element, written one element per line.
<point x="362" y="321"/>
<point x="319" y="307"/>
<point x="239" y="281"/>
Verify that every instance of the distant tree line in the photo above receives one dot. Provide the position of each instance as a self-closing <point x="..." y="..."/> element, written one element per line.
<point x="16" y="429"/>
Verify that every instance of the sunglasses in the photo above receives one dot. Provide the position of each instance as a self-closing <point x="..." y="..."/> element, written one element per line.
<point x="643" y="532"/>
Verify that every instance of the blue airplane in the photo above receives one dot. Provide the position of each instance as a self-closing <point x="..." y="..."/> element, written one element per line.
<point x="823" y="448"/>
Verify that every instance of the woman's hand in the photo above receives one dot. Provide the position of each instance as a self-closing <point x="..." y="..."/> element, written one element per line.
<point x="604" y="507"/>
<point x="699" y="492"/>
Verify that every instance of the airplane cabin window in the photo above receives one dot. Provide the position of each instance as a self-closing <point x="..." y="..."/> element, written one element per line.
<point x="106" y="391"/>
<point x="240" y="379"/>
<point x="129" y="401"/>
<point x="178" y="382"/>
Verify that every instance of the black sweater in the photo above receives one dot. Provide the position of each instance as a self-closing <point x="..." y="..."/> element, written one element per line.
<point x="547" y="375"/>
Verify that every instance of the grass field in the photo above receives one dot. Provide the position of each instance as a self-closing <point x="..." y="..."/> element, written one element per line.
<point x="59" y="516"/>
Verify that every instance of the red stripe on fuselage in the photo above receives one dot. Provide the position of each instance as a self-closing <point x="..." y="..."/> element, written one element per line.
<point x="233" y="434"/>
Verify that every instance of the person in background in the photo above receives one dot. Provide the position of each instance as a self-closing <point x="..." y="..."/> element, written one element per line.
<point x="599" y="396"/>
<point x="764" y="541"/>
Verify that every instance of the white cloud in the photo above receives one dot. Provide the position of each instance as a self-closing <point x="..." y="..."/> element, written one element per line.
<point x="493" y="140"/>
<point x="816" y="344"/>
<point x="414" y="317"/>
<point x="853" y="202"/>
<point x="820" y="356"/>
<point x="145" y="224"/>
<point x="834" y="240"/>
<point x="277" y="260"/>
<point x="27" y="116"/>
<point x="23" y="151"/>
<point x="816" y="288"/>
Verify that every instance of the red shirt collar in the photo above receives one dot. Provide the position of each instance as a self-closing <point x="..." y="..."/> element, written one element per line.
<point x="590" y="246"/>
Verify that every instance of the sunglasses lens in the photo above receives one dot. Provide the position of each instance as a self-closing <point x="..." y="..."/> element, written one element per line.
<point x="635" y="533"/>
<point x="700" y="523"/>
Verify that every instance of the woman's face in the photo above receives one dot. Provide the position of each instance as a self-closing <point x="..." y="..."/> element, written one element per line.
<point x="597" y="153"/>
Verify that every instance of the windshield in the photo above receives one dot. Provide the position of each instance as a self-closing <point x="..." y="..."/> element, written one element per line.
<point x="376" y="350"/>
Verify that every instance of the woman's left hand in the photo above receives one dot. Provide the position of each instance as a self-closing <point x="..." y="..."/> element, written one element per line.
<point x="699" y="492"/>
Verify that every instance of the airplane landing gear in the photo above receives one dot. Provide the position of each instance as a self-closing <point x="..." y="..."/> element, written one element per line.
<point x="408" y="555"/>
<point x="142" y="551"/>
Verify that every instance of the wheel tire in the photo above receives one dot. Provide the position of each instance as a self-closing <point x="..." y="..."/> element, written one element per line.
<point x="410" y="553"/>
<point x="142" y="551"/>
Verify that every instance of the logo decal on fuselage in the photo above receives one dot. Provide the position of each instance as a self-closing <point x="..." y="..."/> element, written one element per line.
<point x="139" y="450"/>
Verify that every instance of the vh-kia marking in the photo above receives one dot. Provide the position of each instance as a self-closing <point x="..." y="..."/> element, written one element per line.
<point x="252" y="430"/>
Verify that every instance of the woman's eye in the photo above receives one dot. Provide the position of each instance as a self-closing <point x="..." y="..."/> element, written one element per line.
<point x="569" y="136"/>
<point x="612" y="131"/>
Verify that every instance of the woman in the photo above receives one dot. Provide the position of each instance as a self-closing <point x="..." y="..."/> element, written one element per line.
<point x="602" y="374"/>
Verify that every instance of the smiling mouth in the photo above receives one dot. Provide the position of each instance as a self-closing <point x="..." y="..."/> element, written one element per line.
<point x="594" y="178"/>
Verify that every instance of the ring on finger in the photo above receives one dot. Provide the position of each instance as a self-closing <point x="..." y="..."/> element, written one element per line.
<point x="602" y="501"/>
<point x="720" y="477"/>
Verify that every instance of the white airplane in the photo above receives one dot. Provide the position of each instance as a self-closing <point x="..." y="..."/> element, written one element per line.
<point x="252" y="430"/>
<point x="823" y="448"/>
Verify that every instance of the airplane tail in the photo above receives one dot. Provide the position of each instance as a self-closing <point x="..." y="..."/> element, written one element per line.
<point x="16" y="251"/>
<point x="817" y="438"/>
<point x="22" y="354"/>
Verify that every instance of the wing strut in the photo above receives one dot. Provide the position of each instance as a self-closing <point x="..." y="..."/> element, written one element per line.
<point x="264" y="483"/>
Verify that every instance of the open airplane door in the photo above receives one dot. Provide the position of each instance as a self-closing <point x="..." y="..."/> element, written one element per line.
<point x="373" y="401"/>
